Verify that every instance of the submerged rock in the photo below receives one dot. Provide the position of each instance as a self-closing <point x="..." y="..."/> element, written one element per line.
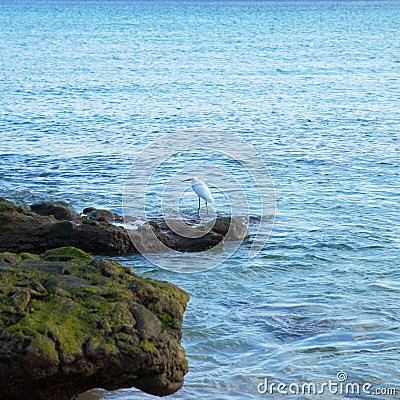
<point x="69" y="323"/>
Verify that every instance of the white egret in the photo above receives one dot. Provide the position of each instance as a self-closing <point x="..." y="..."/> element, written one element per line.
<point x="202" y="190"/>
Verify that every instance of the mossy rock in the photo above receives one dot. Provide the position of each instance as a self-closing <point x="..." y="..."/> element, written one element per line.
<point x="66" y="254"/>
<point x="9" y="206"/>
<point x="69" y="322"/>
<point x="9" y="258"/>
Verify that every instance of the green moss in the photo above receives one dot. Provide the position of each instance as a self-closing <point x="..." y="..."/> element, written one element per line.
<point x="171" y="291"/>
<point x="46" y="347"/>
<point x="167" y="321"/>
<point x="167" y="302"/>
<point x="83" y="291"/>
<point x="10" y="258"/>
<point x="65" y="320"/>
<point x="76" y="301"/>
<point x="65" y="254"/>
<point x="148" y="346"/>
<point x="121" y="316"/>
<point x="108" y="347"/>
<point x="95" y="302"/>
<point x="137" y="351"/>
<point x="9" y="206"/>
<point x="29" y="256"/>
<point x="21" y="299"/>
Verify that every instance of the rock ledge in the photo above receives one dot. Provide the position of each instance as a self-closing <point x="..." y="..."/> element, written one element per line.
<point x="69" y="323"/>
<point x="49" y="225"/>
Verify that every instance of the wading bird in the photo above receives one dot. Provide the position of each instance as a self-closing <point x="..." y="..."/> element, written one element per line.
<point x="202" y="190"/>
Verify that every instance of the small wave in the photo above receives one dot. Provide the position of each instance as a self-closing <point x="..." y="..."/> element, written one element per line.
<point x="335" y="246"/>
<point x="386" y="284"/>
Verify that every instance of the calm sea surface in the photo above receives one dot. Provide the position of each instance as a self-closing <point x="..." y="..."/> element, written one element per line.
<point x="314" y="86"/>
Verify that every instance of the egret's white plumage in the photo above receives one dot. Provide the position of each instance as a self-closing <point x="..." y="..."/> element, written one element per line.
<point x="202" y="190"/>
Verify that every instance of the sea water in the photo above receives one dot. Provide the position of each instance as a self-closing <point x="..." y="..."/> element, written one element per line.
<point x="313" y="86"/>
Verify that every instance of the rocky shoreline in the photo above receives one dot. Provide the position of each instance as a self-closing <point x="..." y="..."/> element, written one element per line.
<point x="48" y="225"/>
<point x="70" y="322"/>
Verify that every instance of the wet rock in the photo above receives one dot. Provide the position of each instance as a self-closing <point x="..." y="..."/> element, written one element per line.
<point x="88" y="210"/>
<point x="152" y="237"/>
<point x="185" y="244"/>
<point x="146" y="241"/>
<point x="25" y="231"/>
<point x="231" y="228"/>
<point x="103" y="238"/>
<point x="101" y="215"/>
<point x="58" y="209"/>
<point x="61" y="230"/>
<point x="100" y="326"/>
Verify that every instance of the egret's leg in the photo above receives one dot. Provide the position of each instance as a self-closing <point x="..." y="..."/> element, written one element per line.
<point x="199" y="206"/>
<point x="206" y="207"/>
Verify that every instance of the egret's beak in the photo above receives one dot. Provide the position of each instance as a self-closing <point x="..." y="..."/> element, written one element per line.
<point x="186" y="180"/>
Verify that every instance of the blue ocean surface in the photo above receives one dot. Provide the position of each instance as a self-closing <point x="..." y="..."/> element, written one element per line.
<point x="313" y="86"/>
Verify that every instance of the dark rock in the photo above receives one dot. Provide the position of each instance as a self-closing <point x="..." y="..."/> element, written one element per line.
<point x="91" y="222"/>
<point x="65" y="282"/>
<point x="184" y="244"/>
<point x="24" y="231"/>
<point x="62" y="230"/>
<point x="107" y="267"/>
<point x="58" y="209"/>
<point x="102" y="215"/>
<point x="101" y="326"/>
<point x="88" y="210"/>
<point x="102" y="239"/>
<point x="151" y="238"/>
<point x="146" y="241"/>
<point x="231" y="228"/>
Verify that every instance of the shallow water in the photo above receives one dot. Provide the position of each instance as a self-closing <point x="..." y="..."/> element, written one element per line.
<point x="313" y="86"/>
